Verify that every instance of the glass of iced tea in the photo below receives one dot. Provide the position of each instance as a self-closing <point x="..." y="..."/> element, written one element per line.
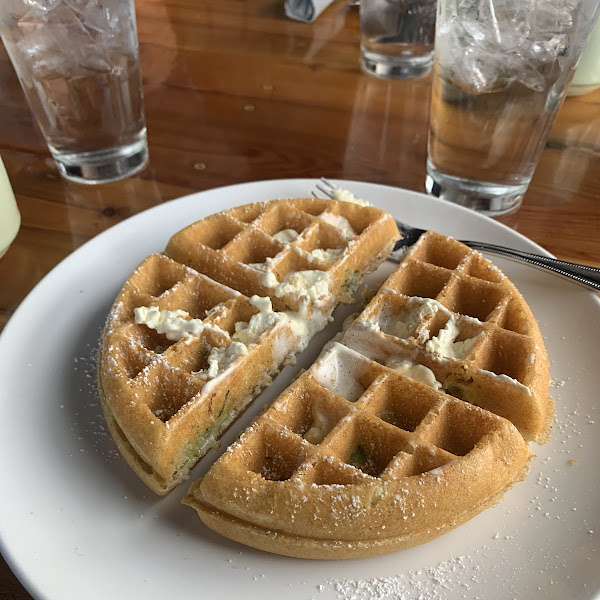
<point x="78" y="64"/>
<point x="500" y="74"/>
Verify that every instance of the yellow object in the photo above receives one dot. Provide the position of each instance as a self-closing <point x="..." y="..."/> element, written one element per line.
<point x="10" y="218"/>
<point x="587" y="76"/>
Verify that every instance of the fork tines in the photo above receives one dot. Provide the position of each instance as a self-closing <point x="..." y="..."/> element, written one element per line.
<point x="326" y="189"/>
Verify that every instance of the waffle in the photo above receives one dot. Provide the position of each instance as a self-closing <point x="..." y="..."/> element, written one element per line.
<point x="415" y="420"/>
<point x="196" y="333"/>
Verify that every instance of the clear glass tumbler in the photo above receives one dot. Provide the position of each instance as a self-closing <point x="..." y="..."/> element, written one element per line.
<point x="78" y="64"/>
<point x="500" y="75"/>
<point x="396" y="37"/>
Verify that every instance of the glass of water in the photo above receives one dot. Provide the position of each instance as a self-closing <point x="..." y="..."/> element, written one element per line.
<point x="396" y="37"/>
<point x="78" y="64"/>
<point x="500" y="74"/>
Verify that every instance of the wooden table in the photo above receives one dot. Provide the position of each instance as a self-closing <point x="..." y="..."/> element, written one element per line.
<point x="234" y="92"/>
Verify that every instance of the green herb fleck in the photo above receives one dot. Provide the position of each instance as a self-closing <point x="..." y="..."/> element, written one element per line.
<point x="223" y="405"/>
<point x="358" y="456"/>
<point x="349" y="279"/>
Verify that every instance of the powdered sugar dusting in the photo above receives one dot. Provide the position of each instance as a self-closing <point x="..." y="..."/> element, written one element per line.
<point x="423" y="584"/>
<point x="88" y="422"/>
<point x="488" y="548"/>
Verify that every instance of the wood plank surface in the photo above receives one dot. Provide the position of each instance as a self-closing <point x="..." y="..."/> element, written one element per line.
<point x="235" y="92"/>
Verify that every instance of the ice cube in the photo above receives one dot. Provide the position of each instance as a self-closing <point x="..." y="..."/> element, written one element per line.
<point x="478" y="31"/>
<point x="40" y="5"/>
<point x="549" y="50"/>
<point x="35" y="43"/>
<point x="492" y="43"/>
<point x="101" y="17"/>
<point x="60" y="37"/>
<point x="551" y="18"/>
<point x="530" y="76"/>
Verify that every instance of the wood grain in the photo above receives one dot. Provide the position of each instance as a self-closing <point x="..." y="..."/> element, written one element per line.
<point x="234" y="92"/>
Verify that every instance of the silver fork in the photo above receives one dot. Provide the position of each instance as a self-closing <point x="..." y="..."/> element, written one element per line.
<point x="582" y="274"/>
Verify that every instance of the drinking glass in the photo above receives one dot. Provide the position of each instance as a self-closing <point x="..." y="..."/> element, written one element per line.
<point x="587" y="76"/>
<point x="78" y="64"/>
<point x="396" y="37"/>
<point x="500" y="74"/>
<point x="10" y="217"/>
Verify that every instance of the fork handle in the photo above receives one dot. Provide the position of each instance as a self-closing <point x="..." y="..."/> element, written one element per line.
<point x="586" y="276"/>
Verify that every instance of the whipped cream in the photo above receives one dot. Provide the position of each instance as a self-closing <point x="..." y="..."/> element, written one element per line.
<point x="369" y="326"/>
<point x="338" y="372"/>
<point x="174" y="324"/>
<point x="269" y="280"/>
<point x="506" y="379"/>
<point x="340" y="223"/>
<point x="285" y="236"/>
<point x="327" y="256"/>
<point x="220" y="358"/>
<point x="319" y="428"/>
<point x="403" y="327"/>
<point x="414" y="371"/>
<point x="248" y="333"/>
<point x="348" y="196"/>
<point x="303" y="285"/>
<point x="444" y="342"/>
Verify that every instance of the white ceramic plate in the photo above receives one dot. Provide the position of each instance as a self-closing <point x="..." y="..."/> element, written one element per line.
<point x="76" y="523"/>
